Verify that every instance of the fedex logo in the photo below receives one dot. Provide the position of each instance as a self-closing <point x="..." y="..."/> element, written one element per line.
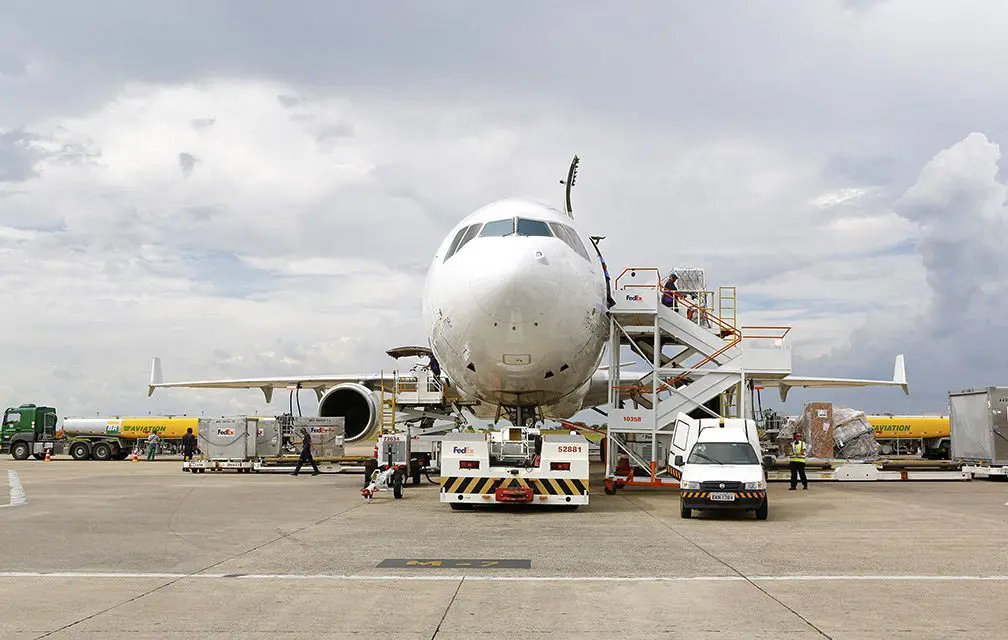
<point x="463" y="450"/>
<point x="634" y="298"/>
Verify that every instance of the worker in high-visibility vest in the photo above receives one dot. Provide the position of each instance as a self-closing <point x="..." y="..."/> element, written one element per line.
<point x="797" y="465"/>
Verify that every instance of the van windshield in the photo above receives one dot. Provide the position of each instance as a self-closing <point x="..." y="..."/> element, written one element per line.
<point x="722" y="453"/>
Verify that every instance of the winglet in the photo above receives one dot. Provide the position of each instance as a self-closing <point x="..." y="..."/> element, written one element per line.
<point x="899" y="374"/>
<point x="156" y="377"/>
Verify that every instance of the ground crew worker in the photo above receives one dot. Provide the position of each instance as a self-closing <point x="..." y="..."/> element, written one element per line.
<point x="188" y="445"/>
<point x="798" y="462"/>
<point x="306" y="455"/>
<point x="668" y="295"/>
<point x="152" y="442"/>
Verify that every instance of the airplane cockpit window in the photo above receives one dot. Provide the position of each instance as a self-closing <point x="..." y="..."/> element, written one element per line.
<point x="469" y="235"/>
<point x="498" y="228"/>
<point x="455" y="243"/>
<point x="528" y="227"/>
<point x="570" y="237"/>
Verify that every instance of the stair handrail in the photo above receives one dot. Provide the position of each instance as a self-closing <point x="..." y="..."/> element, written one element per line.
<point x="734" y="332"/>
<point x="633" y="271"/>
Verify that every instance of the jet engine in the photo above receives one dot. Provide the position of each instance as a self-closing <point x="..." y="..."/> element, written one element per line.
<point x="354" y="402"/>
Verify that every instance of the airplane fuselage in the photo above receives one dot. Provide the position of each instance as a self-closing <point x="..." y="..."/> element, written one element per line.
<point x="514" y="308"/>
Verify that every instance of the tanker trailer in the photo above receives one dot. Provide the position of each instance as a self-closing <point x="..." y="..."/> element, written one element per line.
<point x="925" y="436"/>
<point x="115" y="438"/>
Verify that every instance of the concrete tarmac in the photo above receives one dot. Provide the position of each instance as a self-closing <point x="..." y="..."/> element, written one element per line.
<point x="143" y="550"/>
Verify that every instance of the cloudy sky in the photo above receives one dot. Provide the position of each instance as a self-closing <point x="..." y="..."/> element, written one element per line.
<point x="254" y="188"/>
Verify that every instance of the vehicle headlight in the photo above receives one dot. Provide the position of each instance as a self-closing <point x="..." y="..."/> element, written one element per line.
<point x="690" y="484"/>
<point x="753" y="486"/>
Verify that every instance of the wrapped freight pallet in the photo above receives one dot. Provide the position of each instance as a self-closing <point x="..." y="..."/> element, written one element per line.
<point x="831" y="432"/>
<point x="853" y="436"/>
<point x="814" y="425"/>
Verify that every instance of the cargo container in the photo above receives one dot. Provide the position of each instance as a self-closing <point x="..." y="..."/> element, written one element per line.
<point x="979" y="426"/>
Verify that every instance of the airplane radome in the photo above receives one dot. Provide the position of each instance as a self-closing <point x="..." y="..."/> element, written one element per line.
<point x="514" y="307"/>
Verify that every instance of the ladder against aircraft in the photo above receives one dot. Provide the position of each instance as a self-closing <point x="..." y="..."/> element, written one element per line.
<point x="695" y="359"/>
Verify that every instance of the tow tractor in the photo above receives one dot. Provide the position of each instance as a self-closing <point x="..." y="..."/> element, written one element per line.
<point x="392" y="465"/>
<point x="514" y="465"/>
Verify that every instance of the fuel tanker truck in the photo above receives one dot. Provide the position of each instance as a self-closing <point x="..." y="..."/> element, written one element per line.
<point x="115" y="438"/>
<point x="926" y="436"/>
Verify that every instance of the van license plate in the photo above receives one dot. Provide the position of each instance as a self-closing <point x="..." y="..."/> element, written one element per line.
<point x="723" y="497"/>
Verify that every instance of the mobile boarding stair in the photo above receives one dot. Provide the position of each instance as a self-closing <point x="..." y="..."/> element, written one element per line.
<point x="695" y="361"/>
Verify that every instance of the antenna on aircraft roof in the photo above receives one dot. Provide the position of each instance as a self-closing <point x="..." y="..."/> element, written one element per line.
<point x="569" y="181"/>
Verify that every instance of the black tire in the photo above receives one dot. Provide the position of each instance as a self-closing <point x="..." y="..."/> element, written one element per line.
<point x="80" y="451"/>
<point x="601" y="450"/>
<point x="38" y="456"/>
<point x="763" y="510"/>
<point x="20" y="450"/>
<point x="460" y="506"/>
<point x="369" y="468"/>
<point x="415" y="472"/>
<point x="102" y="451"/>
<point x="684" y="511"/>
<point x="609" y="491"/>
<point x="397" y="484"/>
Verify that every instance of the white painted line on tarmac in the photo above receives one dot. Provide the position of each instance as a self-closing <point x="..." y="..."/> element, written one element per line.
<point x="17" y="493"/>
<point x="484" y="578"/>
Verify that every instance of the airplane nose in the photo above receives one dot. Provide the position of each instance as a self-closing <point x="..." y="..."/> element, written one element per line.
<point x="518" y="285"/>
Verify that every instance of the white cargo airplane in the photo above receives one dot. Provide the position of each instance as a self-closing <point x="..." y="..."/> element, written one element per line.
<point x="514" y="307"/>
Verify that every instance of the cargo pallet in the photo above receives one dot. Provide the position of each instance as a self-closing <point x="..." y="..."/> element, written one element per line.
<point x="983" y="471"/>
<point x="201" y="466"/>
<point x="867" y="472"/>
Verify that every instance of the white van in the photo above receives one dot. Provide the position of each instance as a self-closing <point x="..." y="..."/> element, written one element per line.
<point x="718" y="462"/>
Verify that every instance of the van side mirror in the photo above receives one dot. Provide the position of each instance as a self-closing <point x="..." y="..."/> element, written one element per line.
<point x="678" y="461"/>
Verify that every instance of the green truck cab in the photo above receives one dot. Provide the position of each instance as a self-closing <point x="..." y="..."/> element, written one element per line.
<point x="29" y="430"/>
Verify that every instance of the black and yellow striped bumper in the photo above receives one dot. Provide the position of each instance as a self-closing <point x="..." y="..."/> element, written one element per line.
<point x="539" y="486"/>
<point x="702" y="500"/>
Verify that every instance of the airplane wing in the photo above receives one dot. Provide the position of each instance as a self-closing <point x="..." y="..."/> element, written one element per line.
<point x="785" y="383"/>
<point x="318" y="383"/>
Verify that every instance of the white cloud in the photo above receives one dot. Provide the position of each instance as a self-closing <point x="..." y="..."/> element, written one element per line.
<point x="951" y="330"/>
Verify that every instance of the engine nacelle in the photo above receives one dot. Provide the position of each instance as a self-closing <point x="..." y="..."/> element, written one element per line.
<point x="356" y="404"/>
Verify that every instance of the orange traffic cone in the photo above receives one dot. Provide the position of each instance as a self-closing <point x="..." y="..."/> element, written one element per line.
<point x="48" y="456"/>
<point x="135" y="458"/>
